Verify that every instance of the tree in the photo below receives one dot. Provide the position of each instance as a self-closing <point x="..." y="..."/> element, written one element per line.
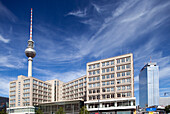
<point x="60" y="111"/>
<point x="84" y="110"/>
<point x="3" y="112"/>
<point x="167" y="109"/>
<point x="39" y="111"/>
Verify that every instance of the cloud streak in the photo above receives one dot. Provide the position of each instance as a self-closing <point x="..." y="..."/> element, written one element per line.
<point x="4" y="40"/>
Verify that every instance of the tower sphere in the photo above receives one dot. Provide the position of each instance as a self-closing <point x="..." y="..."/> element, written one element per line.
<point x="30" y="52"/>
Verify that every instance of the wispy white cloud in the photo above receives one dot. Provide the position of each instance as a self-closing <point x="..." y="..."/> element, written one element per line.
<point x="79" y="13"/>
<point x="3" y="39"/>
<point x="65" y="76"/>
<point x="4" y="88"/>
<point x="10" y="61"/>
<point x="5" y="12"/>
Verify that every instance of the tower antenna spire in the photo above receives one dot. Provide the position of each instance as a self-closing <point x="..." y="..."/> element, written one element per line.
<point x="31" y="26"/>
<point x="29" y="51"/>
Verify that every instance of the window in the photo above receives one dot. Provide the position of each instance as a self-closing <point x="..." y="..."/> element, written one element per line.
<point x="90" y="73"/>
<point x="123" y="80"/>
<point x="123" y="95"/>
<point x="108" y="96"/>
<point x="128" y="87"/>
<point x="118" y="81"/>
<point x="112" y="69"/>
<point x="103" y="96"/>
<point x="118" y="61"/>
<point x="123" y="67"/>
<point x="112" y="96"/>
<point x="103" y="90"/>
<point x="107" y="69"/>
<point x="118" y="88"/>
<point x="112" y="62"/>
<point x="103" y="83"/>
<point x="108" y="83"/>
<point x="90" y="79"/>
<point x="108" y="89"/>
<point x="128" y="66"/>
<point x="98" y="65"/>
<point x="127" y="73"/>
<point x="128" y="94"/>
<point x="89" y="67"/>
<point x="123" y="87"/>
<point x="94" y="85"/>
<point x="128" y="80"/>
<point x="93" y="78"/>
<point x="112" y="89"/>
<point x="123" y="60"/>
<point x="98" y="78"/>
<point x="118" y="95"/>
<point x="98" y="91"/>
<point x="103" y="70"/>
<point x="118" y="74"/>
<point x="90" y="98"/>
<point x="103" y="77"/>
<point x="107" y="63"/>
<point x="128" y="59"/>
<point x="103" y="64"/>
<point x="123" y="73"/>
<point x="94" y="72"/>
<point x="90" y="85"/>
<point x="108" y="76"/>
<point x="98" y="71"/>
<point x="112" y="82"/>
<point x="118" y="67"/>
<point x="98" y="84"/>
<point x="112" y="75"/>
<point x="93" y="66"/>
<point x="94" y="91"/>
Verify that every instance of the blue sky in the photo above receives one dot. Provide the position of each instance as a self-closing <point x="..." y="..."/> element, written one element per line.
<point x="70" y="33"/>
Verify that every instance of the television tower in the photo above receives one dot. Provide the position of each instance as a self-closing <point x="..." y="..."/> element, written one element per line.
<point x="29" y="51"/>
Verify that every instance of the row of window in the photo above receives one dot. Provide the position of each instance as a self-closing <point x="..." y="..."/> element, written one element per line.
<point x="76" y="82"/>
<point x="107" y="63"/>
<point x="108" y="83"/>
<point x="123" y="60"/>
<point x="27" y="81"/>
<point x="123" y="67"/>
<point x="94" y="85"/>
<point x="13" y="88"/>
<point x="123" y="81"/>
<point x="41" y="83"/>
<point x="12" y="84"/>
<point x="108" y="96"/>
<point x="123" y="88"/>
<point x="94" y="72"/>
<point x="12" y="93"/>
<point x="26" y="85"/>
<point x="108" y="70"/>
<point x="94" y="66"/>
<point x="123" y="74"/>
<point x="26" y="90"/>
<point x="12" y="101"/>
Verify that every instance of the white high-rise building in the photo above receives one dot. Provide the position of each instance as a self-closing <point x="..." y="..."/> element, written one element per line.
<point x="149" y="85"/>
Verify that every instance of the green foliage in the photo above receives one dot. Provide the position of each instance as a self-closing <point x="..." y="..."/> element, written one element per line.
<point x="39" y="111"/>
<point x="83" y="110"/>
<point x="3" y="112"/>
<point x="60" y="111"/>
<point x="167" y="109"/>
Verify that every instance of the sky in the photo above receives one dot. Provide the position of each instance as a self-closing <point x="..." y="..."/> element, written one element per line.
<point x="70" y="33"/>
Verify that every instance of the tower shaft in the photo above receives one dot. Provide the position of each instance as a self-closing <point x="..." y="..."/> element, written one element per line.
<point x="29" y="67"/>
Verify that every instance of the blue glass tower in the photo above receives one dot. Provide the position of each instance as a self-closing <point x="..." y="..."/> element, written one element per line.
<point x="149" y="85"/>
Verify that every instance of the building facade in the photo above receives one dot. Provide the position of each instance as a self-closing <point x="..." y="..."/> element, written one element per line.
<point x="110" y="84"/>
<point x="149" y="85"/>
